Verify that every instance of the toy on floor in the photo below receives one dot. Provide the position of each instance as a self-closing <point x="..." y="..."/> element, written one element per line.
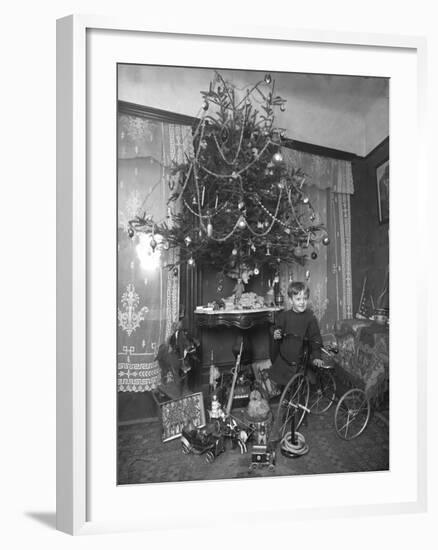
<point x="262" y="456"/>
<point x="202" y="441"/>
<point x="211" y="439"/>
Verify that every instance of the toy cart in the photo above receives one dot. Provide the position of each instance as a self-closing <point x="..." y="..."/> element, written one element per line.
<point x="203" y="442"/>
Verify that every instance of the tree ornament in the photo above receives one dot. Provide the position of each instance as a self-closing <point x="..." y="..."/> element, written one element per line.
<point x="312" y="217"/>
<point x="204" y="144"/>
<point x="307" y="275"/>
<point x="268" y="250"/>
<point x="153" y="243"/>
<point x="256" y="271"/>
<point x="166" y="245"/>
<point x="130" y="232"/>
<point x="268" y="78"/>
<point x="205" y="105"/>
<point x="220" y="288"/>
<point x="282" y="107"/>
<point x="241" y="205"/>
<point x="242" y="222"/>
<point x="234" y="252"/>
<point x="277" y="158"/>
<point x="287" y="230"/>
<point x="194" y="201"/>
<point x="187" y="240"/>
<point x="305" y="200"/>
<point x="314" y="255"/>
<point x="175" y="271"/>
<point x="259" y="225"/>
<point x="255" y="151"/>
<point x="209" y="228"/>
<point x="191" y="262"/>
<point x="325" y="241"/>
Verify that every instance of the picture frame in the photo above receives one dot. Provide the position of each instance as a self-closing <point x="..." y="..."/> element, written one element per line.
<point x="382" y="187"/>
<point x="190" y="408"/>
<point x="88" y="500"/>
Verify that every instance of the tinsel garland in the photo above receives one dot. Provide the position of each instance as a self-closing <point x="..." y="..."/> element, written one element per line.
<point x="240" y="204"/>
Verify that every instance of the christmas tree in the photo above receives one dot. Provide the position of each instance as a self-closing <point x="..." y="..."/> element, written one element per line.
<point x="235" y="205"/>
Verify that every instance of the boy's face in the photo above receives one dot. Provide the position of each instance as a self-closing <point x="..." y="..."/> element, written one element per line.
<point x="299" y="302"/>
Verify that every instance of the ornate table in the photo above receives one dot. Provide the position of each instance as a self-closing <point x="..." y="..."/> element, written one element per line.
<point x="240" y="318"/>
<point x="243" y="319"/>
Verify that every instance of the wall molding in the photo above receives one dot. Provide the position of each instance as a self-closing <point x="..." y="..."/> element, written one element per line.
<point x="134" y="109"/>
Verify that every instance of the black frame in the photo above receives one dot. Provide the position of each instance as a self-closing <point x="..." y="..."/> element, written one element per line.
<point x="383" y="212"/>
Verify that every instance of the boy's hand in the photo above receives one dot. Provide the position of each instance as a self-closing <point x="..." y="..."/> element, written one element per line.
<point x="318" y="362"/>
<point x="277" y="334"/>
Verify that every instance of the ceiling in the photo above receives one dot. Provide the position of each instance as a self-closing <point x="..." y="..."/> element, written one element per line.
<point x="349" y="113"/>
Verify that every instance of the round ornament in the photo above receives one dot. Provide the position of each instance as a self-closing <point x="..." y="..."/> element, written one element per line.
<point x="187" y="240"/>
<point x="314" y="255"/>
<point x="277" y="158"/>
<point x="325" y="241"/>
<point x="130" y="232"/>
<point x="241" y="223"/>
<point x="191" y="262"/>
<point x="268" y="78"/>
<point x="205" y="105"/>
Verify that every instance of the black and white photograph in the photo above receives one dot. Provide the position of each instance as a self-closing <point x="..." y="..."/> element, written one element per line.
<point x="252" y="274"/>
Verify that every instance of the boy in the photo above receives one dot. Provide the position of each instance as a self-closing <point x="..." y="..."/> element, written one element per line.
<point x="292" y="327"/>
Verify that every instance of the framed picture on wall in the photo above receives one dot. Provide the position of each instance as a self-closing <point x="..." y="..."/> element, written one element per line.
<point x="89" y="496"/>
<point x="382" y="183"/>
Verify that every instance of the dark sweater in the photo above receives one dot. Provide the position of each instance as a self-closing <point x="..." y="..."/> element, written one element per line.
<point x="288" y="352"/>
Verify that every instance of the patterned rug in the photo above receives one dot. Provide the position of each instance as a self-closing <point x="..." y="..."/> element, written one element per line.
<point x="143" y="458"/>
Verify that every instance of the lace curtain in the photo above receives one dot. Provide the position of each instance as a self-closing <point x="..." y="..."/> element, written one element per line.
<point x="148" y="295"/>
<point x="329" y="184"/>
